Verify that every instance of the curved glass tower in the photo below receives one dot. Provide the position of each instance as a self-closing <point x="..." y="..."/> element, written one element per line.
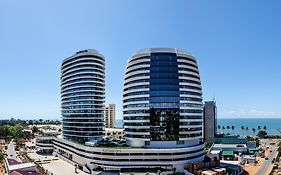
<point x="162" y="100"/>
<point x="82" y="96"/>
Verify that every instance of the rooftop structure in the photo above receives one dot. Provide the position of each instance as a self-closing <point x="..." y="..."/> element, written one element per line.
<point x="17" y="168"/>
<point x="231" y="139"/>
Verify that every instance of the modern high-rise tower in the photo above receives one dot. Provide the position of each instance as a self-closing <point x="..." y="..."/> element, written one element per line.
<point x="210" y="121"/>
<point x="110" y="116"/>
<point x="162" y="101"/>
<point x="82" y="96"/>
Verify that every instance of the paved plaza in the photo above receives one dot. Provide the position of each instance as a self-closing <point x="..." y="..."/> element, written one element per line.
<point x="55" y="165"/>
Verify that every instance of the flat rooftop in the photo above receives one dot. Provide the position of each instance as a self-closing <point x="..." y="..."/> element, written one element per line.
<point x="25" y="173"/>
<point x="230" y="145"/>
<point x="12" y="161"/>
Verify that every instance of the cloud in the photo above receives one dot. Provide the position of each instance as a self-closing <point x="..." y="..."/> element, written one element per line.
<point x="247" y="112"/>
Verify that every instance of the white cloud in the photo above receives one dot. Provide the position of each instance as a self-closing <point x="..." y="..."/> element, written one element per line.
<point x="247" y="112"/>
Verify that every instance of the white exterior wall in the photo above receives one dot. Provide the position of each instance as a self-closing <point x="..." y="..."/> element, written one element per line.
<point x="80" y="157"/>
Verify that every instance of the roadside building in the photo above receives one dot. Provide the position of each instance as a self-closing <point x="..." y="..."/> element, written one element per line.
<point x="230" y="146"/>
<point x="15" y="167"/>
<point x="249" y="159"/>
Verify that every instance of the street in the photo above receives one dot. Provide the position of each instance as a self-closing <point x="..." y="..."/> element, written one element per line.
<point x="11" y="150"/>
<point x="267" y="165"/>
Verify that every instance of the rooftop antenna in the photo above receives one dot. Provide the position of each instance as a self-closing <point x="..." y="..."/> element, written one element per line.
<point x="214" y="97"/>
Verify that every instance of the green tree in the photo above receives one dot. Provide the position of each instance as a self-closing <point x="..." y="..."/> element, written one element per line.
<point x="219" y="127"/>
<point x="1" y="157"/>
<point x="27" y="135"/>
<point x="232" y="128"/>
<point x="30" y="122"/>
<point x="254" y="131"/>
<point x="254" y="139"/>
<point x="34" y="129"/>
<point x="262" y="134"/>
<point x="223" y="128"/>
<point x="257" y="141"/>
<point x="242" y="128"/>
<point x="247" y="130"/>
<point x="228" y="127"/>
<point x="279" y="147"/>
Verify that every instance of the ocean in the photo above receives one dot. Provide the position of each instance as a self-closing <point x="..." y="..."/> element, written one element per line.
<point x="272" y="125"/>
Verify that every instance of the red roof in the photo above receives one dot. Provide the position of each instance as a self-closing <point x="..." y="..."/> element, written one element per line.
<point x="15" y="173"/>
<point x="25" y="173"/>
<point x="12" y="161"/>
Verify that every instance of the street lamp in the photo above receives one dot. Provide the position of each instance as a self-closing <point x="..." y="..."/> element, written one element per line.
<point x="76" y="168"/>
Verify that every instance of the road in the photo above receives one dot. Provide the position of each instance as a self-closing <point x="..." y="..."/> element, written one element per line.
<point x="11" y="150"/>
<point x="267" y="165"/>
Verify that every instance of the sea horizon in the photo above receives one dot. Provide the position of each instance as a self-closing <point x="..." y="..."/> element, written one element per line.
<point x="273" y="125"/>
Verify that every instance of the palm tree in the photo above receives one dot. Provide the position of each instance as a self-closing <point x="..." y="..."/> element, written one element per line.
<point x="223" y="128"/>
<point x="247" y="130"/>
<point x="242" y="128"/>
<point x="232" y="127"/>
<point x="219" y="127"/>
<point x="253" y="130"/>
<point x="264" y="127"/>
<point x="259" y="128"/>
<point x="228" y="127"/>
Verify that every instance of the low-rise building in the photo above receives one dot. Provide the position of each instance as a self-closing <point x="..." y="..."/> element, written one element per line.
<point x="15" y="167"/>
<point x="249" y="159"/>
<point x="44" y="141"/>
<point x="25" y="173"/>
<point x="231" y="139"/>
<point x="115" y="133"/>
<point x="236" y="148"/>
<point x="230" y="146"/>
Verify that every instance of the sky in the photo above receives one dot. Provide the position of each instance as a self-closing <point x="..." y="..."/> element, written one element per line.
<point x="236" y="43"/>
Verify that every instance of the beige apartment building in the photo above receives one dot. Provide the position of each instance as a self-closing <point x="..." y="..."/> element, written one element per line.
<point x="110" y="116"/>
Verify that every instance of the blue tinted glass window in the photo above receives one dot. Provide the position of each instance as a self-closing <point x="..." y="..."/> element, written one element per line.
<point x="164" y="97"/>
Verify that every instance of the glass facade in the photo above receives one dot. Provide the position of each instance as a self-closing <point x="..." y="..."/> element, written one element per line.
<point x="162" y="98"/>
